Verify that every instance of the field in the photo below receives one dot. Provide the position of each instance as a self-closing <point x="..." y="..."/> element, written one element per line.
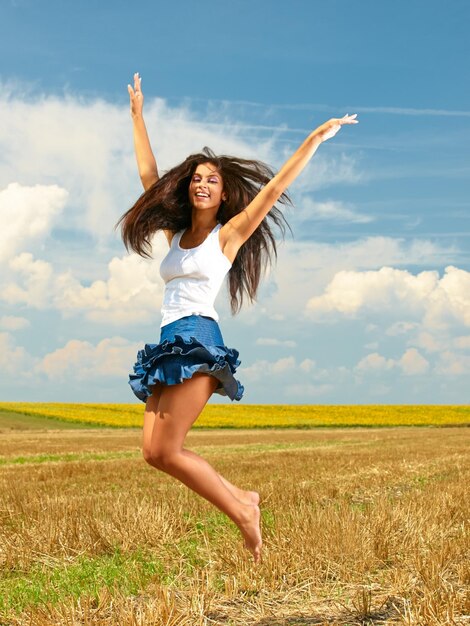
<point x="360" y="526"/>
<point x="248" y="415"/>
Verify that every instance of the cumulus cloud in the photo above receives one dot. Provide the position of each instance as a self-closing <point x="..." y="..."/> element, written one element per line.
<point x="411" y="363"/>
<point x="304" y="268"/>
<point x="438" y="301"/>
<point x="34" y="285"/>
<point x="13" y="322"/>
<point x="81" y="360"/>
<point x="295" y="378"/>
<point x="450" y="301"/>
<point x="288" y="370"/>
<point x="26" y="214"/>
<point x="264" y="368"/>
<point x="131" y="293"/>
<point x="15" y="360"/>
<point x="375" y="362"/>
<point x="430" y="342"/>
<point x="453" y="364"/>
<point x="351" y="291"/>
<point x="307" y="365"/>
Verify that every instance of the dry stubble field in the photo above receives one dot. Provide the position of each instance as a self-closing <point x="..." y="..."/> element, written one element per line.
<point x="360" y="526"/>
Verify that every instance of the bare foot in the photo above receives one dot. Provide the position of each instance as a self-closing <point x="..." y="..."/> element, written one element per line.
<point x="250" y="529"/>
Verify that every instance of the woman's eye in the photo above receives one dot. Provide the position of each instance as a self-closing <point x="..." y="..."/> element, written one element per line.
<point x="213" y="180"/>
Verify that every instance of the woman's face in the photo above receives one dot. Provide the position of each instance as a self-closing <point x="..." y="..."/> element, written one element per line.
<point x="206" y="189"/>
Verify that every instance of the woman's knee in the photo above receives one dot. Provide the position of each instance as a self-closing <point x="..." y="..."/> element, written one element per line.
<point x="159" y="457"/>
<point x="147" y="454"/>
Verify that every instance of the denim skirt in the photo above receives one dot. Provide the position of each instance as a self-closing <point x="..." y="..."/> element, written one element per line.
<point x="190" y="344"/>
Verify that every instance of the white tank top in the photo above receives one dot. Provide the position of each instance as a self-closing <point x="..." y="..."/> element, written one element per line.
<point x="193" y="277"/>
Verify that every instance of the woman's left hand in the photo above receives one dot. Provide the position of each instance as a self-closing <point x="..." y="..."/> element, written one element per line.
<point x="331" y="127"/>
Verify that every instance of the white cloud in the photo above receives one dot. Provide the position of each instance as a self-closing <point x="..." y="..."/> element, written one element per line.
<point x="335" y="211"/>
<point x="15" y="360"/>
<point x="325" y="171"/>
<point x="298" y="380"/>
<point x="263" y="368"/>
<point x="81" y="360"/>
<point x="34" y="285"/>
<point x="307" y="365"/>
<point x="413" y="363"/>
<point x="26" y="214"/>
<point x="12" y="322"/>
<point x="428" y="341"/>
<point x="437" y="301"/>
<point x="286" y="364"/>
<point x="452" y="364"/>
<point x="374" y="362"/>
<point x="305" y="268"/>
<point x="451" y="299"/>
<point x="132" y="292"/>
<point x="351" y="291"/>
<point x="272" y="341"/>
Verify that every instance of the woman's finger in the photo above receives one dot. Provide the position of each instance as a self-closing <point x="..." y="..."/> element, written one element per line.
<point x="349" y="119"/>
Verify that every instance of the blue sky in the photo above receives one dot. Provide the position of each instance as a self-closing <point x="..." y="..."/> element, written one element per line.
<point x="369" y="301"/>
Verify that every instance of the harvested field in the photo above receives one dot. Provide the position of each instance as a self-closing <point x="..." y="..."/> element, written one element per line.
<point x="360" y="526"/>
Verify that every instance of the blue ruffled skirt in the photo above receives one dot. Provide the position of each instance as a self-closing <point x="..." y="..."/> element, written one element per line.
<point x="191" y="344"/>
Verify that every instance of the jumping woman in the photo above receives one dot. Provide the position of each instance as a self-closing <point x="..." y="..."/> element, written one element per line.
<point x="215" y="212"/>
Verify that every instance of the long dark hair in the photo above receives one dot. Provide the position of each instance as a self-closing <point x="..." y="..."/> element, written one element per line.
<point x="166" y="205"/>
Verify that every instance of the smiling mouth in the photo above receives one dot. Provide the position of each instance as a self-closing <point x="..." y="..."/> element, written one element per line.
<point x="202" y="195"/>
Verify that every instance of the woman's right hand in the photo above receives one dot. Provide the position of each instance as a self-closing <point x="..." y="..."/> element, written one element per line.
<point x="331" y="127"/>
<point x="136" y="96"/>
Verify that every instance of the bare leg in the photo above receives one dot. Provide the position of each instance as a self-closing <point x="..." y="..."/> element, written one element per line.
<point x="151" y="409"/>
<point x="165" y="429"/>
<point x="247" y="497"/>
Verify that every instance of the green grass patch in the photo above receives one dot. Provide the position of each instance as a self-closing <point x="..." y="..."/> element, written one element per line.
<point x="14" y="420"/>
<point x="44" y="584"/>
<point x="68" y="457"/>
<point x="226" y="450"/>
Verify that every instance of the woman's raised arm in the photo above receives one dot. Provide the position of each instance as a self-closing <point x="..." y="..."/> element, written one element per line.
<point x="146" y="163"/>
<point x="240" y="227"/>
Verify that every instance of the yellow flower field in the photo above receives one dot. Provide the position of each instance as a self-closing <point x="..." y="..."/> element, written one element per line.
<point x="254" y="415"/>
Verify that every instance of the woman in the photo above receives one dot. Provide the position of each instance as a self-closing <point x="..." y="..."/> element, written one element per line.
<point x="214" y="212"/>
